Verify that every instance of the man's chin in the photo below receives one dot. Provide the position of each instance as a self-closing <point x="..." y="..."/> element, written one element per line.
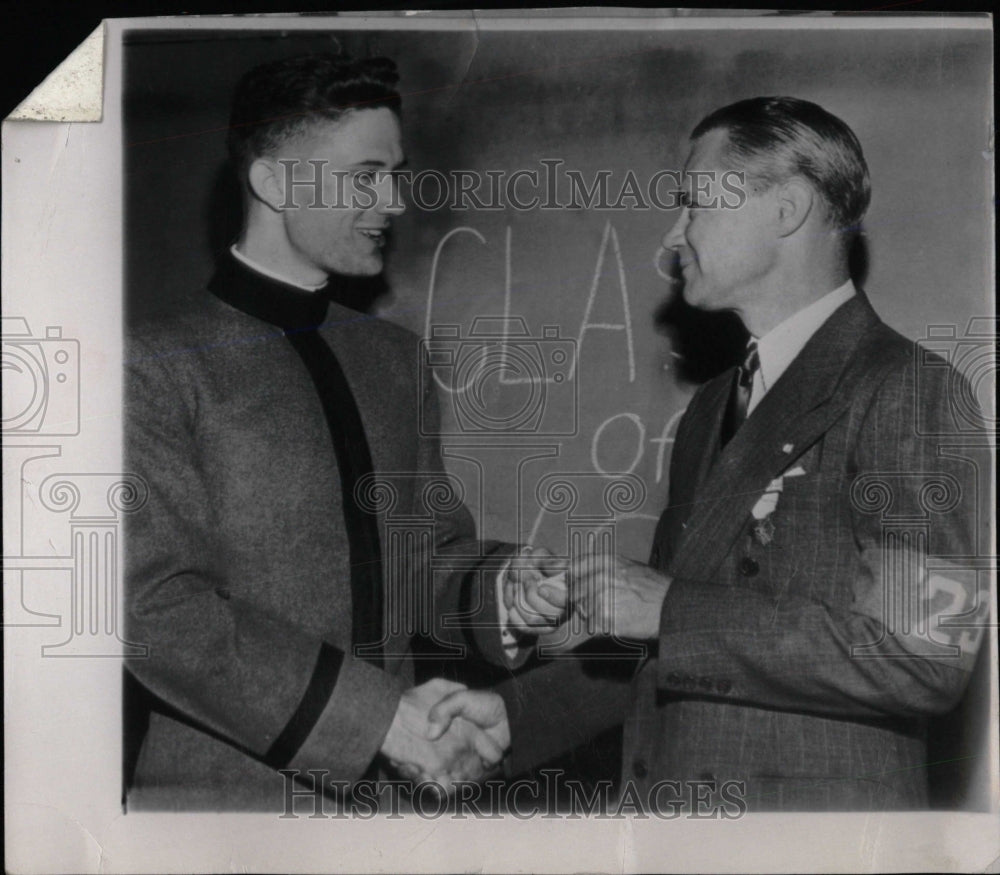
<point x="704" y="299"/>
<point x="694" y="297"/>
<point x="369" y="267"/>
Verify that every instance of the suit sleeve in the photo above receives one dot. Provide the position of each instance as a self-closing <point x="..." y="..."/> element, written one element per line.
<point x="237" y="672"/>
<point x="902" y="641"/>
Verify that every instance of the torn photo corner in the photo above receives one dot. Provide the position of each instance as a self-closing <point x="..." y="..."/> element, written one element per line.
<point x="311" y="324"/>
<point x="74" y="91"/>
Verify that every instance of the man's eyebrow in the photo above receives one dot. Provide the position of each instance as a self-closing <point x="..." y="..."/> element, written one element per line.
<point x="377" y="163"/>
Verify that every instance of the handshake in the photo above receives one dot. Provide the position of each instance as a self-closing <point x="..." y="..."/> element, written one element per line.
<point x="444" y="732"/>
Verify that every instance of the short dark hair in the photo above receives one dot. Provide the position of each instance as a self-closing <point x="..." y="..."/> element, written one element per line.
<point x="278" y="100"/>
<point x="775" y="138"/>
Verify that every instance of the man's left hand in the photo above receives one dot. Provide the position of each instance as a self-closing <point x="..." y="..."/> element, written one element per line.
<point x="617" y="596"/>
<point x="534" y="592"/>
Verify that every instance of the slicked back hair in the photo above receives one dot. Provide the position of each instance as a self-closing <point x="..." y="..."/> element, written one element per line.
<point x="775" y="138"/>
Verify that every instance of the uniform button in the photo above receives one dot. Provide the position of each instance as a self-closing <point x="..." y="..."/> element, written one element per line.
<point x="723" y="686"/>
<point x="748" y="567"/>
<point x="224" y="593"/>
<point x="639" y="768"/>
<point x="689" y="682"/>
<point x="705" y="683"/>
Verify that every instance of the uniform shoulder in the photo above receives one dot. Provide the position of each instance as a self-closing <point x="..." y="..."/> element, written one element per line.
<point x="396" y="332"/>
<point x="202" y="319"/>
<point x="371" y="328"/>
<point x="181" y="339"/>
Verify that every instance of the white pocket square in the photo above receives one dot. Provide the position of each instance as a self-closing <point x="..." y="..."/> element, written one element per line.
<point x="768" y="502"/>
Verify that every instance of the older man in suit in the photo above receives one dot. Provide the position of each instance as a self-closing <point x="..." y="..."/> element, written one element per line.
<point x="275" y="426"/>
<point x="798" y="638"/>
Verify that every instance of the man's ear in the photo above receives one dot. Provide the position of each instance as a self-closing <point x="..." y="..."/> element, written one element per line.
<point x="267" y="183"/>
<point x="795" y="199"/>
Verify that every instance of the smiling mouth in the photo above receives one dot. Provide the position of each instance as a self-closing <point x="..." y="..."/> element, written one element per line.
<point x="377" y="235"/>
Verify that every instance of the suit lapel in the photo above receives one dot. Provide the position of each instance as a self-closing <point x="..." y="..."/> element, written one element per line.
<point x="805" y="402"/>
<point x="689" y="465"/>
<point x="698" y="447"/>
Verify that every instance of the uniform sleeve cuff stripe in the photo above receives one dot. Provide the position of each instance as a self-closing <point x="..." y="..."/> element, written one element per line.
<point x="317" y="694"/>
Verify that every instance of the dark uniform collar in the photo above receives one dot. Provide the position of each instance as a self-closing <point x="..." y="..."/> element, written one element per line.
<point x="283" y="304"/>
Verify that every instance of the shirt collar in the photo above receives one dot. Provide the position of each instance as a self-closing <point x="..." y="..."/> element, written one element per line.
<point x="257" y="266"/>
<point x="779" y="347"/>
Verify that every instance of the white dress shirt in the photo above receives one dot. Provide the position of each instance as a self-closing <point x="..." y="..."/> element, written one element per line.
<point x="784" y="342"/>
<point x="253" y="265"/>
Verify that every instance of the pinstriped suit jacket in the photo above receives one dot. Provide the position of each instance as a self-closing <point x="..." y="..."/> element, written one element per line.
<point x="804" y="665"/>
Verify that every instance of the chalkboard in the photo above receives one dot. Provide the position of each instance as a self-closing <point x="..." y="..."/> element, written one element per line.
<point x="564" y="356"/>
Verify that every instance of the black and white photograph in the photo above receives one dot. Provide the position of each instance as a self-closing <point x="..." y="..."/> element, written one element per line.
<point x="503" y="441"/>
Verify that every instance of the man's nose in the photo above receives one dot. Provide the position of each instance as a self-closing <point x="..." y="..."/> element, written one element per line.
<point x="674" y="238"/>
<point x="390" y="198"/>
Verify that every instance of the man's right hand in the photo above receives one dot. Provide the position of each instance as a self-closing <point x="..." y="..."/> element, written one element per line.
<point x="464" y="752"/>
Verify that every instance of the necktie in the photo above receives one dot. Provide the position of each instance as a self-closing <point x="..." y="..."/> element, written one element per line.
<point x="739" y="397"/>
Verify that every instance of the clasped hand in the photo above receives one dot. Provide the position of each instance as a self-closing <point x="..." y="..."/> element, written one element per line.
<point x="443" y="732"/>
<point x="608" y="594"/>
